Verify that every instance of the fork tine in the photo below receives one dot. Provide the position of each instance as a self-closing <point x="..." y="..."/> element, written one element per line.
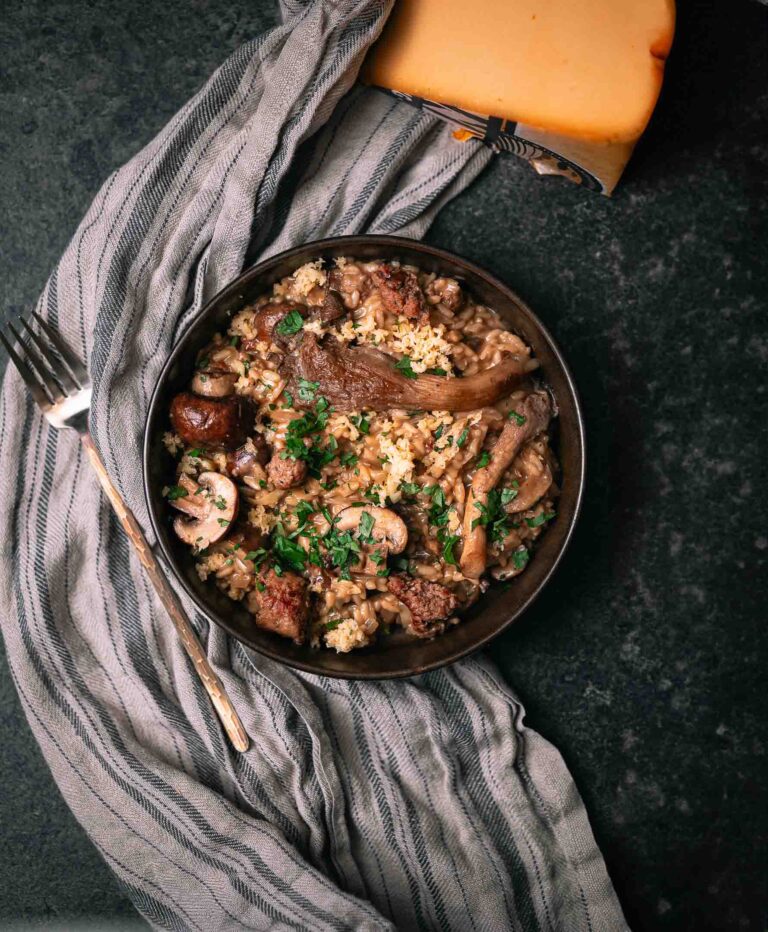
<point x="60" y="371"/>
<point x="76" y="367"/>
<point x="51" y="385"/>
<point x="38" y="390"/>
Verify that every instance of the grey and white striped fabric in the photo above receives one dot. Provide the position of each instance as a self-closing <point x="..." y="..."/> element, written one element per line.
<point x="421" y="804"/>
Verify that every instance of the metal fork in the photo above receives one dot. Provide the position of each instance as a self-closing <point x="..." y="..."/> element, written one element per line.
<point x="59" y="383"/>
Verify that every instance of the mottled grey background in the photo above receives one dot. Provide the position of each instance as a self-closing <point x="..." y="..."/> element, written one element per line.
<point x="642" y="662"/>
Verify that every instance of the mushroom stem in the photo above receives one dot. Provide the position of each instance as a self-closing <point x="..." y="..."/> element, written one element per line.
<point x="531" y="418"/>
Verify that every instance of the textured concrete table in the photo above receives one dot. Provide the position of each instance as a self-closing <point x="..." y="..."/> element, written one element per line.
<point x="641" y="662"/>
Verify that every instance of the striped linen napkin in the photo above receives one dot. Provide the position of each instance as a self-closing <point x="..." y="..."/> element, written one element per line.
<point x="419" y="804"/>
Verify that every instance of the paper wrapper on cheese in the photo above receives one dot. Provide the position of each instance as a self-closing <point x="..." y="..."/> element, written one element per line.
<point x="569" y="86"/>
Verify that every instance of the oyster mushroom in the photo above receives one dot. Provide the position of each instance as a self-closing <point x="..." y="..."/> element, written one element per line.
<point x="210" y="506"/>
<point x="535" y="479"/>
<point x="214" y="383"/>
<point x="533" y="415"/>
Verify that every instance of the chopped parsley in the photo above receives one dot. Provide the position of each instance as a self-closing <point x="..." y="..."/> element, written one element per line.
<point x="288" y="399"/>
<point x="519" y="419"/>
<point x="365" y="527"/>
<point x="520" y="558"/>
<point x="220" y="502"/>
<point x="195" y="454"/>
<point x="508" y="495"/>
<point x="462" y="438"/>
<point x="449" y="542"/>
<point x="348" y="459"/>
<point x="403" y="366"/>
<point x="286" y="551"/>
<point x="539" y="519"/>
<point x="492" y="517"/>
<point x="223" y="522"/>
<point x="436" y="371"/>
<point x="307" y="390"/>
<point x="484" y="459"/>
<point x="332" y="625"/>
<point x="439" y="431"/>
<point x="410" y="488"/>
<point x="235" y="341"/>
<point x="176" y="491"/>
<point x="258" y="556"/>
<point x="362" y="423"/>
<point x="290" y="324"/>
<point x="314" y="454"/>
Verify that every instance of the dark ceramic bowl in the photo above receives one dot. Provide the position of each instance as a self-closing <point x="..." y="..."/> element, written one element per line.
<point x="398" y="654"/>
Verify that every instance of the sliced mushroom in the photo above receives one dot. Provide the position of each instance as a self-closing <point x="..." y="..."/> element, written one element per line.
<point x="214" y="383"/>
<point x="388" y="528"/>
<point x="533" y="415"/>
<point x="355" y="378"/>
<point x="211" y="507"/>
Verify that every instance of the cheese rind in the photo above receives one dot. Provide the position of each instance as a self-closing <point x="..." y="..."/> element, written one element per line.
<point x="589" y="70"/>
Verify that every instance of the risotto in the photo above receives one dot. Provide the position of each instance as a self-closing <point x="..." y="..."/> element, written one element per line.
<point x="364" y="449"/>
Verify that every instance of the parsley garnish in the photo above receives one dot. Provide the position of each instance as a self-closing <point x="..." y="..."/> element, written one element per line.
<point x="288" y="399"/>
<point x="332" y="625"/>
<point x="448" y="544"/>
<point x="220" y="502"/>
<point x="234" y="341"/>
<point x="258" y="556"/>
<point x="195" y="454"/>
<point x="539" y="519"/>
<point x="436" y="371"/>
<point x="462" y="438"/>
<point x="176" y="491"/>
<point x="410" y="488"/>
<point x="365" y="527"/>
<point x="223" y="522"/>
<point x="519" y="419"/>
<point x="362" y="423"/>
<point x="508" y="495"/>
<point x="307" y="390"/>
<point x="439" y="431"/>
<point x="290" y="324"/>
<point x="484" y="459"/>
<point x="520" y="558"/>
<point x="403" y="365"/>
<point x="492" y="517"/>
<point x="287" y="551"/>
<point x="348" y="459"/>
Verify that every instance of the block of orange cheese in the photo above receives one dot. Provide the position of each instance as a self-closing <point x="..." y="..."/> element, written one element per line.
<point x="555" y="74"/>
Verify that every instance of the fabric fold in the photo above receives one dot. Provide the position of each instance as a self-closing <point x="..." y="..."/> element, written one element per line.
<point x="418" y="804"/>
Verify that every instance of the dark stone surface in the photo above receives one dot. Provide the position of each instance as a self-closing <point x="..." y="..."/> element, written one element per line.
<point x="642" y="662"/>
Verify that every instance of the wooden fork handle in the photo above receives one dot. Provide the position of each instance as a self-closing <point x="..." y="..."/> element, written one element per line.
<point x="226" y="711"/>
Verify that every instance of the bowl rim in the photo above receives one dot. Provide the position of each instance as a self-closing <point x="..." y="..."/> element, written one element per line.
<point x="254" y="271"/>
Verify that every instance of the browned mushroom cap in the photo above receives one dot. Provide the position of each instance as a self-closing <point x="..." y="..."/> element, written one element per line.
<point x="214" y="383"/>
<point x="387" y="529"/>
<point x="211" y="505"/>
<point x="530" y="418"/>
<point x="268" y="316"/>
<point x="353" y="378"/>
<point x="216" y="422"/>
<point x="245" y="459"/>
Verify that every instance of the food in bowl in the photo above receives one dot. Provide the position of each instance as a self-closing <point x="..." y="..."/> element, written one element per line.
<point x="363" y="450"/>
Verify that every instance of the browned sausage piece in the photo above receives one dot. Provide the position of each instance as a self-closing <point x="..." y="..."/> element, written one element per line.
<point x="429" y="603"/>
<point x="242" y="461"/>
<point x="280" y="604"/>
<point x="400" y="291"/>
<point x="286" y="474"/>
<point x="212" y="422"/>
